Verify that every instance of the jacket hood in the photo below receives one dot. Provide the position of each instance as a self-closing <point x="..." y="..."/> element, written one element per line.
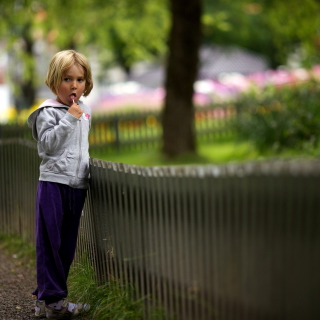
<point x="33" y="116"/>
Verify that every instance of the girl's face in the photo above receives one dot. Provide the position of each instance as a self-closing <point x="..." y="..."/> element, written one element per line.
<point x="72" y="85"/>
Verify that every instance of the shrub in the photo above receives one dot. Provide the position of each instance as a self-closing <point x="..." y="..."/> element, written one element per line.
<point x="279" y="118"/>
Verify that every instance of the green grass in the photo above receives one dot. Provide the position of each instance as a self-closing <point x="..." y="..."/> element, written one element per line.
<point x="108" y="301"/>
<point x="219" y="152"/>
<point x="23" y="252"/>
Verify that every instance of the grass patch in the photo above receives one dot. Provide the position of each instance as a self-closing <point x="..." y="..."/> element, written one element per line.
<point x="108" y="301"/>
<point x="23" y="252"/>
<point x="218" y="152"/>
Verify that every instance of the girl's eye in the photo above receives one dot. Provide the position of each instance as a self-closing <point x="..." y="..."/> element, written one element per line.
<point x="69" y="79"/>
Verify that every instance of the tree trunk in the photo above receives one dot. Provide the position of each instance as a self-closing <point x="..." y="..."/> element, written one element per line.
<point x="25" y="78"/>
<point x="184" y="43"/>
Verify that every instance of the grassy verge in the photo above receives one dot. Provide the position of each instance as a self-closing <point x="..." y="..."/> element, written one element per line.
<point x="108" y="301"/>
<point x="218" y="152"/>
<point x="23" y="252"/>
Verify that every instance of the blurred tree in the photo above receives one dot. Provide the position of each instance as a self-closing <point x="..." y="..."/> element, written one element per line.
<point x="16" y="26"/>
<point x="184" y="43"/>
<point x="264" y="26"/>
<point x="129" y="31"/>
<point x="64" y="24"/>
<point x="269" y="27"/>
<point x="241" y="23"/>
<point x="22" y="24"/>
<point x="118" y="31"/>
<point x="294" y="26"/>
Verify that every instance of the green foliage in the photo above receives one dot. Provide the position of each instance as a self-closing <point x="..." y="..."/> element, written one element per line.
<point x="300" y="30"/>
<point x="280" y="118"/>
<point x="120" y="32"/>
<point x="123" y="32"/>
<point x="273" y="28"/>
<point x="239" y="22"/>
<point x="17" y="24"/>
<point x="108" y="301"/>
<point x="138" y="31"/>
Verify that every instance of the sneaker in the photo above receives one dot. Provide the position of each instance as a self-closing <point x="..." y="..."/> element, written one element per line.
<point x="40" y="309"/>
<point x="64" y="313"/>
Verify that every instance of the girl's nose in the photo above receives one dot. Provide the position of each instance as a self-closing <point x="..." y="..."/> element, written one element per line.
<point x="74" y="85"/>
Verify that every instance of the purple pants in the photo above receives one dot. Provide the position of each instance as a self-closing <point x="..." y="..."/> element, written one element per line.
<point x="58" y="212"/>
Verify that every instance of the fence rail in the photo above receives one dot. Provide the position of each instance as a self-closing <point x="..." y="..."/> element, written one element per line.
<point x="215" y="242"/>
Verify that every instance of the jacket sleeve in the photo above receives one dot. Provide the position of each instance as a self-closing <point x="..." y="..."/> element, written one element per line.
<point x="52" y="132"/>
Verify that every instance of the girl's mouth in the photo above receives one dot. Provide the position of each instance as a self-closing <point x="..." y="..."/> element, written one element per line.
<point x="72" y="97"/>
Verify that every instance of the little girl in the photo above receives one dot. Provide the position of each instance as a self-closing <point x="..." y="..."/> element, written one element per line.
<point x="61" y="128"/>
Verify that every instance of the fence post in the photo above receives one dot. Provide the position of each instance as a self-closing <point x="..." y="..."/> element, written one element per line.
<point x="116" y="131"/>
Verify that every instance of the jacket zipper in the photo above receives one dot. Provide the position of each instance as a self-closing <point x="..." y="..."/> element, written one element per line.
<point x="80" y="153"/>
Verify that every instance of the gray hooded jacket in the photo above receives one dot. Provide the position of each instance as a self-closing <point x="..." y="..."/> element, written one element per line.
<point x="62" y="143"/>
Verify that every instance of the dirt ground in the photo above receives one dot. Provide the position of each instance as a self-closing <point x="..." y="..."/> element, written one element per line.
<point x="16" y="284"/>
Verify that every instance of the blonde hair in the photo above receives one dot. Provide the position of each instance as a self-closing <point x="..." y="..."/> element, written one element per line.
<point x="60" y="63"/>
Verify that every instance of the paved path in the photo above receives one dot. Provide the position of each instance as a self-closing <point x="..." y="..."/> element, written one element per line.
<point x="16" y="284"/>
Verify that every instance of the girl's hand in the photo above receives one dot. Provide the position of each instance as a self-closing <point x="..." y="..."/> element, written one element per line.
<point x="75" y="110"/>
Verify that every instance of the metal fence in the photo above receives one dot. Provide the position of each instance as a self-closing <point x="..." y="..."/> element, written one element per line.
<point x="233" y="242"/>
<point x="140" y="130"/>
<point x="19" y="171"/>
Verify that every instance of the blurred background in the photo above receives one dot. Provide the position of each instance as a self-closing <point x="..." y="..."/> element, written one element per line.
<point x="258" y="60"/>
<point x="180" y="82"/>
